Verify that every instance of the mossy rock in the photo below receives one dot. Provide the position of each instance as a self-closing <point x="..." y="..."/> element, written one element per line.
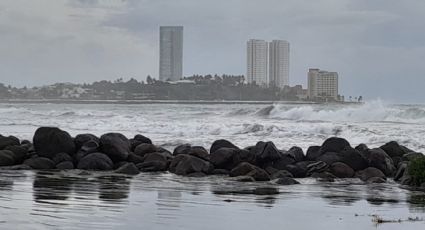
<point x="417" y="171"/>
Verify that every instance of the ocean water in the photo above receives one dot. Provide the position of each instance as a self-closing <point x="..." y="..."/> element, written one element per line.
<point x="78" y="200"/>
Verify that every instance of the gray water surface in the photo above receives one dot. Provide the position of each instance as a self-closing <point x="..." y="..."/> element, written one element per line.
<point x="81" y="200"/>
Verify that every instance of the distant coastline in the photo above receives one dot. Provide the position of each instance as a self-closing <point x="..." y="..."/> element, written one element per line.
<point x="77" y="101"/>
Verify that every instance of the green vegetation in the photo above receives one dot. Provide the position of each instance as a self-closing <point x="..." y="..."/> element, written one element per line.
<point x="417" y="171"/>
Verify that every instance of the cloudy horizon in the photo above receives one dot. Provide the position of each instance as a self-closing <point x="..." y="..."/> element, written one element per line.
<point x="377" y="47"/>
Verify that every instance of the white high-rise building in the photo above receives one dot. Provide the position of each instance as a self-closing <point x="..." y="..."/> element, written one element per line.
<point x="279" y="63"/>
<point x="322" y="84"/>
<point x="257" y="52"/>
<point x="171" y="53"/>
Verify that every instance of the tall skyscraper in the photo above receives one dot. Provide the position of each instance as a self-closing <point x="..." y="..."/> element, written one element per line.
<point x="279" y="63"/>
<point x="322" y="84"/>
<point x="257" y="62"/>
<point x="171" y="53"/>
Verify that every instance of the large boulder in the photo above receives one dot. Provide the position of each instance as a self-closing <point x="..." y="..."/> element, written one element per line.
<point x="87" y="148"/>
<point x="313" y="152"/>
<point x="116" y="146"/>
<point x="380" y="160"/>
<point x="40" y="163"/>
<point x="155" y="162"/>
<point x="316" y="167"/>
<point x="127" y="168"/>
<point x="334" y="144"/>
<point x="368" y="173"/>
<point x="20" y="153"/>
<point x="139" y="139"/>
<point x="354" y="159"/>
<point x="61" y="157"/>
<point x="286" y="181"/>
<point x="81" y="139"/>
<point x="8" y="141"/>
<point x="7" y="158"/>
<point x="218" y="144"/>
<point x="393" y="149"/>
<point x="266" y="152"/>
<point x="285" y="159"/>
<point x="341" y="170"/>
<point x="197" y="151"/>
<point x="96" y="161"/>
<point x="185" y="164"/>
<point x="330" y="157"/>
<point x="65" y="165"/>
<point x="144" y="148"/>
<point x="247" y="169"/>
<point x="297" y="153"/>
<point x="136" y="159"/>
<point x="49" y="141"/>
<point x="182" y="149"/>
<point x="225" y="158"/>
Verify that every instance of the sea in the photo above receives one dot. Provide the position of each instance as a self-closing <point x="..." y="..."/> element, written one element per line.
<point x="81" y="200"/>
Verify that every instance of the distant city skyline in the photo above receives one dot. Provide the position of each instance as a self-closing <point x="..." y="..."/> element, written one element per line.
<point x="370" y="44"/>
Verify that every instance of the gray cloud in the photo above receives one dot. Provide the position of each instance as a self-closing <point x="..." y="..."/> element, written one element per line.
<point x="376" y="46"/>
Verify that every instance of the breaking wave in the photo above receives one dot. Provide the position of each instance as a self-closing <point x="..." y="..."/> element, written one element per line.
<point x="375" y="111"/>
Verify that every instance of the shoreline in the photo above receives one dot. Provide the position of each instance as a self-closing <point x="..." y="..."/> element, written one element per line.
<point x="136" y="102"/>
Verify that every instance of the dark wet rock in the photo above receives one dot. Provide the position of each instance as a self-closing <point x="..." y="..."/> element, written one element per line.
<point x="244" y="179"/>
<point x="136" y="159"/>
<point x="117" y="165"/>
<point x="19" y="152"/>
<point x="61" y="157"/>
<point x="368" y="173"/>
<point x="218" y="144"/>
<point x="380" y="160"/>
<point x="220" y="172"/>
<point x="185" y="164"/>
<point x="397" y="160"/>
<point x="270" y="170"/>
<point x="7" y="158"/>
<point x="200" y="152"/>
<point x="40" y="163"/>
<point x="8" y="141"/>
<point x="393" y="149"/>
<point x="330" y="157"/>
<point x="324" y="176"/>
<point x="247" y="169"/>
<point x="376" y="180"/>
<point x="143" y="149"/>
<point x="266" y="152"/>
<point x="285" y="159"/>
<point x="354" y="159"/>
<point x="341" y="170"/>
<point x="154" y="162"/>
<point x="299" y="170"/>
<point x="286" y="181"/>
<point x="316" y="167"/>
<point x="334" y="144"/>
<point x="116" y="146"/>
<point x="182" y="149"/>
<point x="49" y="141"/>
<point x="297" y="153"/>
<point x="313" y="152"/>
<point x="401" y="169"/>
<point x="281" y="174"/>
<point x="361" y="148"/>
<point x="87" y="148"/>
<point x="411" y="156"/>
<point x="139" y="139"/>
<point x="81" y="139"/>
<point x="128" y="168"/>
<point x="64" y="165"/>
<point x="96" y="161"/>
<point x="225" y="158"/>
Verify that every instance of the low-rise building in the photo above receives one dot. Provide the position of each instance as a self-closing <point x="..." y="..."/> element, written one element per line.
<point x="322" y="85"/>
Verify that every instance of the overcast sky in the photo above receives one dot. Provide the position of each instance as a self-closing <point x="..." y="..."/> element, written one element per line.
<point x="376" y="46"/>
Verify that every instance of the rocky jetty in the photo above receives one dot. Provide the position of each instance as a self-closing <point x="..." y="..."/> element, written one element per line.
<point x="55" y="149"/>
